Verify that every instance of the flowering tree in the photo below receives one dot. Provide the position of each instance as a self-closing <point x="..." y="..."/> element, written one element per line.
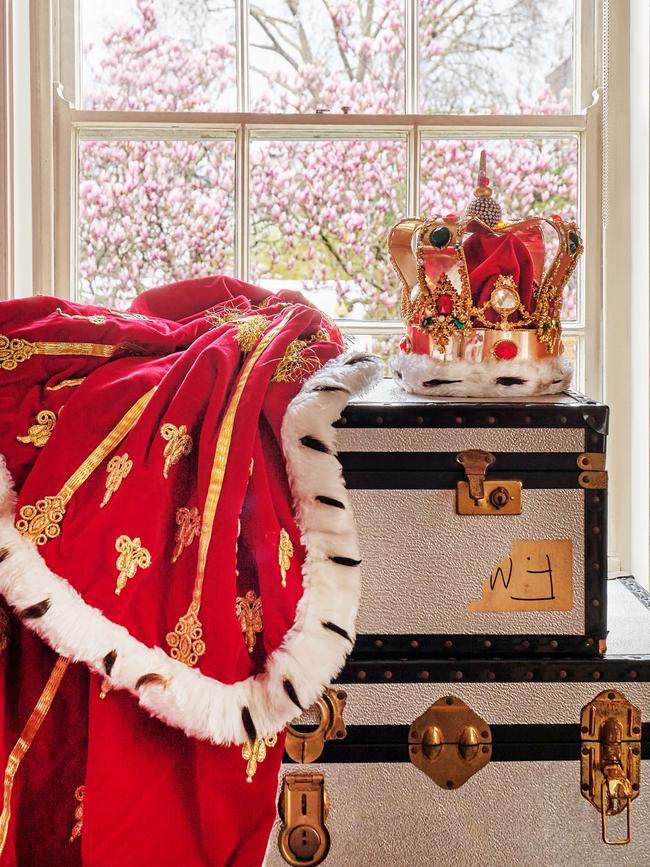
<point x="152" y="211"/>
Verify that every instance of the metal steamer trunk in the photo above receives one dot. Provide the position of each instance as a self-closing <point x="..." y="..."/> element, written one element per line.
<point x="482" y="525"/>
<point x="477" y="762"/>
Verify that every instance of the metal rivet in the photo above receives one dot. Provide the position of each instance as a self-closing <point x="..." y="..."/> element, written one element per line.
<point x="491" y="419"/>
<point x="563" y="674"/>
<point x="420" y="419"/>
<point x="343" y="421"/>
<point x="563" y="419"/>
<point x="415" y="643"/>
<point x="633" y="675"/>
<point x="458" y="675"/>
<point x="459" y="419"/>
<point x="485" y="749"/>
<point x="589" y="642"/>
<point x="485" y="734"/>
<point x="596" y="500"/>
<point x="361" y="675"/>
<point x="414" y="749"/>
<point x="379" y="419"/>
<point x="635" y="786"/>
<point x="449" y="644"/>
<point x="379" y="642"/>
<point x="528" y="419"/>
<point x="529" y="675"/>
<point x="584" y="729"/>
<point x="491" y="675"/>
<point x="595" y="567"/>
<point x="449" y="700"/>
<point x="585" y="751"/>
<point x="611" y="695"/>
<point x="585" y="787"/>
<point x="595" y="602"/>
<point x="450" y="784"/>
<point x="595" y="531"/>
<point x="525" y="644"/>
<point x="553" y="644"/>
<point x="388" y="675"/>
<point x="636" y="751"/>
<point x="636" y="730"/>
<point x="424" y="675"/>
<point x="487" y="643"/>
<point x="595" y="675"/>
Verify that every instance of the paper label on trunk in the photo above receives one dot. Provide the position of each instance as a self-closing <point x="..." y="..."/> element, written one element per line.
<point x="536" y="576"/>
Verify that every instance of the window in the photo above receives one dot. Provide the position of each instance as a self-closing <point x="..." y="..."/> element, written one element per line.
<point x="279" y="141"/>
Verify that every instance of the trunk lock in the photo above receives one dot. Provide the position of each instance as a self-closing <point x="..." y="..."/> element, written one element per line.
<point x="304" y="841"/>
<point x="478" y="496"/>
<point x="610" y="763"/>
<point x="306" y="746"/>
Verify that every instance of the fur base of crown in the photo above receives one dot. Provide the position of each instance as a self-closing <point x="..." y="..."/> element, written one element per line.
<point x="422" y="374"/>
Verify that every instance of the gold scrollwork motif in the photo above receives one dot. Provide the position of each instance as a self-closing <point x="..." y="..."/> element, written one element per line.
<point x="132" y="556"/>
<point x="285" y="553"/>
<point x="179" y="444"/>
<point x="186" y="641"/>
<point x="4" y="631"/>
<point x="95" y="318"/>
<point x="13" y="351"/>
<point x="38" y="434"/>
<point x="65" y="383"/>
<point x="249" y="613"/>
<point x="117" y="470"/>
<point x="40" y="522"/>
<point x="188" y="522"/>
<point x="254" y="753"/>
<point x="79" y="794"/>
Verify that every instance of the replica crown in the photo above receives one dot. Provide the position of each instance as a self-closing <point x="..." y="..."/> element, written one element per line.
<point x="480" y="301"/>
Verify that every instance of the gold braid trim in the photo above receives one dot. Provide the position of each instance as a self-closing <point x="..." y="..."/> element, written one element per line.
<point x="295" y="364"/>
<point x="13" y="351"/>
<point x="40" y="522"/>
<point x="25" y="741"/>
<point x="65" y="383"/>
<point x="186" y="641"/>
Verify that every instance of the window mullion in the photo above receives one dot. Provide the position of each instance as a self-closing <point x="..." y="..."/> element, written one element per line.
<point x="410" y="58"/>
<point x="243" y="91"/>
<point x="242" y="205"/>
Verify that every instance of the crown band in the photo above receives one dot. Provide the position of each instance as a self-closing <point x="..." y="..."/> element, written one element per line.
<point x="481" y="344"/>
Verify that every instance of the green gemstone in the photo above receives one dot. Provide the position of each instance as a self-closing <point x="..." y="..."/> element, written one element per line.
<point x="574" y="242"/>
<point x="459" y="325"/>
<point x="440" y="237"/>
<point x="428" y="320"/>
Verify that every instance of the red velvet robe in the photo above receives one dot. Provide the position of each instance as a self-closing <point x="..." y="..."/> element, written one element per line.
<point x="152" y="795"/>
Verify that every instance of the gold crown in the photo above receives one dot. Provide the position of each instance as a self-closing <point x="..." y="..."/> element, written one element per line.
<point x="477" y="288"/>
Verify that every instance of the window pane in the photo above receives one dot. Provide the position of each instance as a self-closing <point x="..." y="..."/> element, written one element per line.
<point x="151" y="212"/>
<point x="528" y="176"/>
<point x="306" y="55"/>
<point x="495" y="56"/>
<point x="574" y="351"/>
<point x="320" y="215"/>
<point x="158" y="55"/>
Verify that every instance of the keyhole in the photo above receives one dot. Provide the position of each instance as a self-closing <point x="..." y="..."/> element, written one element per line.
<point x="303" y="807"/>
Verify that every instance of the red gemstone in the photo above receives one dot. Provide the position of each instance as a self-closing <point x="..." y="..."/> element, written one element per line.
<point x="505" y="350"/>
<point x="444" y="305"/>
<point x="405" y="345"/>
<point x="483" y="181"/>
<point x="451" y="217"/>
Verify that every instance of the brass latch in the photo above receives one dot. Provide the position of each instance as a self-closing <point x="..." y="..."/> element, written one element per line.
<point x="610" y="763"/>
<point x="307" y="746"/>
<point x="593" y="475"/>
<point x="478" y="496"/>
<point x="304" y="840"/>
<point x="450" y="742"/>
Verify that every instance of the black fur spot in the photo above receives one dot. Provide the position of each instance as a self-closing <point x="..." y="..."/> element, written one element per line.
<point x="331" y="388"/>
<point x="148" y="679"/>
<point x="345" y="561"/>
<point x="330" y="501"/>
<point x="359" y="357"/>
<point x="434" y="383"/>
<point x="4" y="553"/>
<point x="249" y="725"/>
<point x="291" y="692"/>
<point x="315" y="444"/>
<point x="510" y="380"/>
<point x="338" y="629"/>
<point x="398" y="374"/>
<point x="35" y="611"/>
<point x="109" y="661"/>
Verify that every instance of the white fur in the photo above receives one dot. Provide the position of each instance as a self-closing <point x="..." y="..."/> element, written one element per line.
<point x="479" y="379"/>
<point x="310" y="656"/>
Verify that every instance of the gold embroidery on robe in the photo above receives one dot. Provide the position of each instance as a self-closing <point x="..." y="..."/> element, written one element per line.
<point x="65" y="383"/>
<point x="79" y="794"/>
<point x="186" y="641"/>
<point x="179" y="444"/>
<point x="249" y="613"/>
<point x="225" y="313"/>
<point x="249" y="331"/>
<point x="41" y="521"/>
<point x="117" y="470"/>
<point x="15" y="350"/>
<point x="285" y="553"/>
<point x="297" y="363"/>
<point x="189" y="625"/>
<point x="4" y="631"/>
<point x="25" y="741"/>
<point x="38" y="434"/>
<point x="189" y="527"/>
<point x="254" y="753"/>
<point x="132" y="556"/>
<point x="95" y="318"/>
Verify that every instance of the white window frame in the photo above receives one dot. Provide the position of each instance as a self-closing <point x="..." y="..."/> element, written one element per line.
<point x="46" y="255"/>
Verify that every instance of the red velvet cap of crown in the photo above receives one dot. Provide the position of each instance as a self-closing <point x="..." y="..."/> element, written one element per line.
<point x="490" y="256"/>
